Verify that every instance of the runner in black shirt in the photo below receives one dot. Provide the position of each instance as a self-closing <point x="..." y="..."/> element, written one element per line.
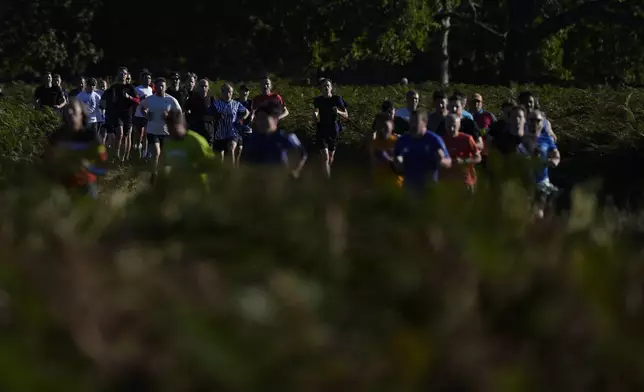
<point x="175" y="90"/>
<point x="245" y="129"/>
<point x="197" y="111"/>
<point x="58" y="81"/>
<point x="48" y="95"/>
<point x="78" y="87"/>
<point x="119" y="101"/>
<point x="328" y="109"/>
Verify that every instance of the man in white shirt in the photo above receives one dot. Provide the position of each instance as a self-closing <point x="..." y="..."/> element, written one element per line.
<point x="90" y="98"/>
<point x="156" y="108"/>
<point x="143" y="91"/>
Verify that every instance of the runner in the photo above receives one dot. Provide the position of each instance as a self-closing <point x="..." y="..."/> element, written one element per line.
<point x="267" y="95"/>
<point x="58" y="82"/>
<point x="91" y="100"/>
<point x="244" y="128"/>
<point x="102" y="86"/>
<point x="198" y="113"/>
<point x="483" y="118"/>
<point x="191" y="82"/>
<point x="118" y="102"/>
<point x="420" y="154"/>
<point x="463" y="98"/>
<point x="48" y="94"/>
<point x="531" y="102"/>
<point x="328" y="110"/>
<point x="401" y="121"/>
<point x="227" y="113"/>
<point x="463" y="151"/>
<point x="79" y="86"/>
<point x="175" y="90"/>
<point x="143" y="91"/>
<point x="187" y="158"/>
<point x="506" y="140"/>
<point x="156" y="108"/>
<point x="75" y="155"/>
<point x="538" y="144"/>
<point x="437" y="117"/>
<point x="468" y="126"/>
<point x="271" y="146"/>
<point x="381" y="150"/>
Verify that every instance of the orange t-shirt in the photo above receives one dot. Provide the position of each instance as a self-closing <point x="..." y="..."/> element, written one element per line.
<point x="461" y="146"/>
<point x="382" y="171"/>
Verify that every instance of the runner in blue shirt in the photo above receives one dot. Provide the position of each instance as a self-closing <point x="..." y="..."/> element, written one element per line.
<point x="270" y="146"/>
<point x="538" y="144"/>
<point x="420" y="154"/>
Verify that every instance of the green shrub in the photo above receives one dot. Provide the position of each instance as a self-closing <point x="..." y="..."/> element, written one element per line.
<point x="268" y="285"/>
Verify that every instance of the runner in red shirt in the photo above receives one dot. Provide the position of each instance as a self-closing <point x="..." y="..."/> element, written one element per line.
<point x="266" y="96"/>
<point x="463" y="151"/>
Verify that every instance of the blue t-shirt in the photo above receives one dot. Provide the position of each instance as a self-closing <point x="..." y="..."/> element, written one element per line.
<point x="420" y="162"/>
<point x="271" y="148"/>
<point x="542" y="149"/>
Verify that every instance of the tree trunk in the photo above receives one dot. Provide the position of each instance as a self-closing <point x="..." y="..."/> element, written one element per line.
<point x="446" y="24"/>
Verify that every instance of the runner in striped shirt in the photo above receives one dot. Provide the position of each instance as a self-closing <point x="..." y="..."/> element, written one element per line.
<point x="227" y="113"/>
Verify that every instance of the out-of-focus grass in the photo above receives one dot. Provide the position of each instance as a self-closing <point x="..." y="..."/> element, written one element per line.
<point x="281" y="285"/>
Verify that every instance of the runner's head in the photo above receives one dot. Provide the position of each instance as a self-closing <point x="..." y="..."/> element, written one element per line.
<point x="176" y="123"/>
<point x="455" y="105"/>
<point x="452" y="124"/>
<point x="75" y="116"/>
<point x="244" y="92"/>
<point x="191" y="81"/>
<point x="175" y="80"/>
<point x="48" y="79"/>
<point x="477" y="102"/>
<point x="516" y="120"/>
<point x="121" y="75"/>
<point x="506" y="108"/>
<point x="418" y="123"/>
<point x="535" y="122"/>
<point x="462" y="96"/>
<point x="146" y="78"/>
<point x="80" y="82"/>
<point x="102" y="84"/>
<point x="326" y="87"/>
<point x="412" y="98"/>
<point x="266" y="85"/>
<point x="529" y="100"/>
<point x="160" y="86"/>
<point x="203" y="86"/>
<point x="57" y="80"/>
<point x="267" y="116"/>
<point x="388" y="109"/>
<point x="128" y="79"/>
<point x="227" y="92"/>
<point x="91" y="85"/>
<point x="384" y="125"/>
<point x="440" y="101"/>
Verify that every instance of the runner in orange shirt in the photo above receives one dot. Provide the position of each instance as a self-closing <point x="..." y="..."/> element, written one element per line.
<point x="464" y="152"/>
<point x="381" y="152"/>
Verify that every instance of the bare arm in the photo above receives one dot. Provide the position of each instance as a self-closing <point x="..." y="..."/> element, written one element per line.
<point x="444" y="160"/>
<point x="285" y="113"/>
<point x="555" y="158"/>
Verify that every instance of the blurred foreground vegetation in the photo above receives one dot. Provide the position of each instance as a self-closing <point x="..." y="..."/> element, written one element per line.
<point x="270" y="284"/>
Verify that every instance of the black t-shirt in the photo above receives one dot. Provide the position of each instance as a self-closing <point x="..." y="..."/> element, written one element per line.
<point x="467" y="126"/>
<point x="116" y="103"/>
<point x="329" y="119"/>
<point x="180" y="95"/>
<point x="49" y="96"/>
<point x="197" y="107"/>
<point x="503" y="140"/>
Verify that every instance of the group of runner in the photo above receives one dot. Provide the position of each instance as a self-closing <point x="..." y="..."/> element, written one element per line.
<point x="187" y="128"/>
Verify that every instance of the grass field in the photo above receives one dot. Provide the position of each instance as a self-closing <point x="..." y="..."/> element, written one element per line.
<point x="270" y="285"/>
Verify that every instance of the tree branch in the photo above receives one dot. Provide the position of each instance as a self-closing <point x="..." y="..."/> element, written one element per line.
<point x="473" y="20"/>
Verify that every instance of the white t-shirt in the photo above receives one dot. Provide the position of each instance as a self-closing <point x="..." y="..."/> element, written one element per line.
<point x="156" y="106"/>
<point x="91" y="101"/>
<point x="143" y="92"/>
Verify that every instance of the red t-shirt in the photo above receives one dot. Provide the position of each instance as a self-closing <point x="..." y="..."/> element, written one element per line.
<point x="261" y="99"/>
<point x="461" y="146"/>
